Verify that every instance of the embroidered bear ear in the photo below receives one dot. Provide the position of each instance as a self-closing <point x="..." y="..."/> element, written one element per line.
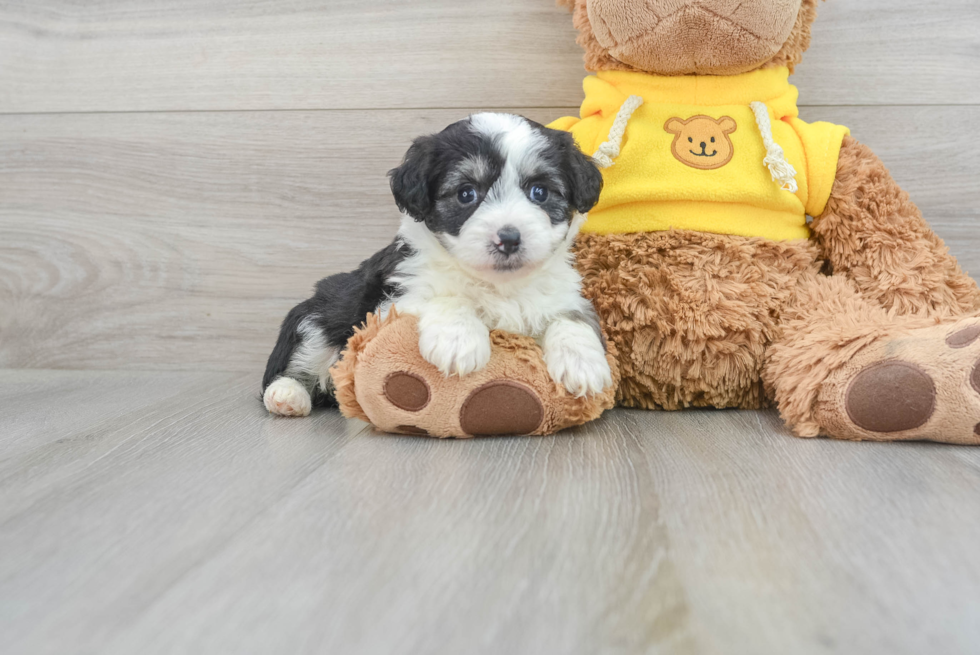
<point x="727" y="124"/>
<point x="676" y="125"/>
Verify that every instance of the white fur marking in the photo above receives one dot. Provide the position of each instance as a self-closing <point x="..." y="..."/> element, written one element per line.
<point x="576" y="358"/>
<point x="452" y="338"/>
<point x="287" y="397"/>
<point x="312" y="359"/>
<point x="434" y="281"/>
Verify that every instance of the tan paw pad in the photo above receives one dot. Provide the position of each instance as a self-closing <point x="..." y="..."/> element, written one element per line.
<point x="917" y="384"/>
<point x="501" y="407"/>
<point x="412" y="429"/>
<point x="891" y="396"/>
<point x="407" y="391"/>
<point x="963" y="338"/>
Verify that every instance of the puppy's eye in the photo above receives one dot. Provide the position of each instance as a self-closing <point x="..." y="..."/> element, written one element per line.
<point x="690" y="139"/>
<point x="538" y="193"/>
<point x="712" y="139"/>
<point x="466" y="195"/>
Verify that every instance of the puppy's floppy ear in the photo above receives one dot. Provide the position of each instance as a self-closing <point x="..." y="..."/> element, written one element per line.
<point x="581" y="172"/>
<point x="411" y="182"/>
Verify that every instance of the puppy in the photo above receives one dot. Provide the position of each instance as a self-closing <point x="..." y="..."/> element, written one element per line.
<point x="490" y="208"/>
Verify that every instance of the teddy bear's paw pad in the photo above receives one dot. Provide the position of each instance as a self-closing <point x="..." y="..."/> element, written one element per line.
<point x="975" y="383"/>
<point x="891" y="396"/>
<point x="501" y="407"/>
<point x="287" y="397"/>
<point x="919" y="384"/>
<point x="963" y="338"/>
<point x="407" y="391"/>
<point x="411" y="429"/>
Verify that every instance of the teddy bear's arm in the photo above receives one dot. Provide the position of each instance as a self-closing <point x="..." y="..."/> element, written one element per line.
<point x="872" y="233"/>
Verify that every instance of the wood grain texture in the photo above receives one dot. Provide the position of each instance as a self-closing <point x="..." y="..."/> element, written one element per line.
<point x="199" y="523"/>
<point x="178" y="241"/>
<point x="148" y="55"/>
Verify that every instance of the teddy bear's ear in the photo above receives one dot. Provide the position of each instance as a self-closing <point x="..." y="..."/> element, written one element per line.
<point x="674" y="126"/>
<point x="727" y="124"/>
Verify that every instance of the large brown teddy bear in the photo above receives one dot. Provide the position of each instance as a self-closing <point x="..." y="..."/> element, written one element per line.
<point x="712" y="287"/>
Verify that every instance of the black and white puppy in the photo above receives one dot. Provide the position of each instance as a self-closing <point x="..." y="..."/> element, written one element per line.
<point x="490" y="209"/>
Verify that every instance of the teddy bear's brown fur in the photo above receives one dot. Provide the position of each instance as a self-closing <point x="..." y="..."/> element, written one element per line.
<point x="597" y="57"/>
<point x="869" y="329"/>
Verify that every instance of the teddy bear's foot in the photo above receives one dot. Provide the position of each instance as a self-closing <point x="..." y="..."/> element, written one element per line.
<point x="498" y="407"/>
<point x="383" y="378"/>
<point x="920" y="385"/>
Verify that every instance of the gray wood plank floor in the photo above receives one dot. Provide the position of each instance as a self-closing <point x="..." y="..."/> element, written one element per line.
<point x="199" y="524"/>
<point x="175" y="175"/>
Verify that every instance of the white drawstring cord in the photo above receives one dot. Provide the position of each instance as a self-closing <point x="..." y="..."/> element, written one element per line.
<point x="606" y="154"/>
<point x="782" y="171"/>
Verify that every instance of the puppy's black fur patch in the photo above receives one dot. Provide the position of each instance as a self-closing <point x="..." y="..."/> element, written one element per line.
<point x="339" y="303"/>
<point x="416" y="184"/>
<point x="581" y="176"/>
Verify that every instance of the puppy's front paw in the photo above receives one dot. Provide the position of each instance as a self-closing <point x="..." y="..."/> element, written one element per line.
<point x="576" y="358"/>
<point x="455" y="347"/>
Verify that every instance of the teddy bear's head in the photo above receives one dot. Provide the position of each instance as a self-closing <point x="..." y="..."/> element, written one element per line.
<point x="685" y="37"/>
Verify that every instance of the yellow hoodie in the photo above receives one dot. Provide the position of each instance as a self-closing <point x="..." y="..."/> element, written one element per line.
<point x="693" y="155"/>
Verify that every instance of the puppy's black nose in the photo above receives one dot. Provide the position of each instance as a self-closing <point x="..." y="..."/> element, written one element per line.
<point x="510" y="240"/>
<point x="704" y="146"/>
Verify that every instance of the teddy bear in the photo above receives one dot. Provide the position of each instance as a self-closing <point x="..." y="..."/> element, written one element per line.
<point x="739" y="257"/>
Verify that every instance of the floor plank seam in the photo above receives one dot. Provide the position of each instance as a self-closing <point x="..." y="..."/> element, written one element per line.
<point x="469" y="108"/>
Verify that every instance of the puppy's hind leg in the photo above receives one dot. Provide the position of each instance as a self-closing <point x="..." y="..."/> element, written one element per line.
<point x="287" y="397"/>
<point x="297" y="375"/>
